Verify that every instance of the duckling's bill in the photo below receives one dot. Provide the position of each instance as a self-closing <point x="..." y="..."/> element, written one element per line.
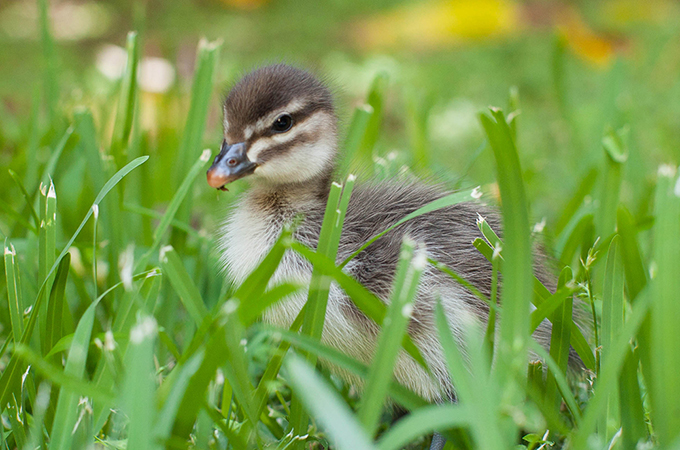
<point x="229" y="165"/>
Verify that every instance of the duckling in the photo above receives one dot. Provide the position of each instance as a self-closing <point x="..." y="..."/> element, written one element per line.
<point x="280" y="131"/>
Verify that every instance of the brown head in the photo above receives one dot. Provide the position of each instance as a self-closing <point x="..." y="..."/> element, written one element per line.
<point x="279" y="128"/>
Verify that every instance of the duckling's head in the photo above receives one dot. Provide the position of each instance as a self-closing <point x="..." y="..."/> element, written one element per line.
<point x="279" y="128"/>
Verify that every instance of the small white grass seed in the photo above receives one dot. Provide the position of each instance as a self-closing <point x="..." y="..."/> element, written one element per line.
<point x="144" y="329"/>
<point x="476" y="193"/>
<point x="420" y="260"/>
<point x="653" y="269"/>
<point x="24" y="375"/>
<point x="230" y="307"/>
<point x="166" y="248"/>
<point x="95" y="211"/>
<point x="540" y="226"/>
<point x="205" y="156"/>
<point x="407" y="310"/>
<point x="497" y="249"/>
<point x="109" y="341"/>
<point x="126" y="265"/>
<point x="51" y="193"/>
<point x="666" y="170"/>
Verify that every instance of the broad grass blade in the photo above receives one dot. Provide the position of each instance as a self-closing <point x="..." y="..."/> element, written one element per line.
<point x="319" y="288"/>
<point x="126" y="102"/>
<point x="517" y="277"/>
<point x="398" y="393"/>
<point x="424" y="421"/>
<point x="475" y="389"/>
<point x="585" y="187"/>
<point x="67" y="405"/>
<point x="609" y="373"/>
<point x="616" y="149"/>
<point x="355" y="135"/>
<point x="389" y="342"/>
<point x="139" y="386"/>
<point x="55" y="306"/>
<point x="560" y="338"/>
<point x="321" y="400"/>
<point x="611" y="324"/>
<point x="665" y="345"/>
<point x="181" y="281"/>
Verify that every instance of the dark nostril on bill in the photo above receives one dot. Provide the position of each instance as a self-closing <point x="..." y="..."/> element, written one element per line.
<point x="232" y="162"/>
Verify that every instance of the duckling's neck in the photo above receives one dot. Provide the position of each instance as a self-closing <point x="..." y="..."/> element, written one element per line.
<point x="286" y="200"/>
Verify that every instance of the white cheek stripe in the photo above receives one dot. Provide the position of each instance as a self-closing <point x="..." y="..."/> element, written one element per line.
<point x="225" y="121"/>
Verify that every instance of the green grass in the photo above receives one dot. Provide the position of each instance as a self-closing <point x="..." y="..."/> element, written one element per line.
<point x="123" y="332"/>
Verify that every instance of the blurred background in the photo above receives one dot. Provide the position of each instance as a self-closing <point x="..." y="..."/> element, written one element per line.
<point x="578" y="67"/>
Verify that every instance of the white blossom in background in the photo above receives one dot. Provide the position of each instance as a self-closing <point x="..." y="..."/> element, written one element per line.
<point x="69" y="20"/>
<point x="156" y="75"/>
<point x="453" y="122"/>
<point x="111" y="61"/>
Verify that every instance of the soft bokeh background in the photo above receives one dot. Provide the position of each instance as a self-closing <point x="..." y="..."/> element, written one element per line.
<point x="578" y="66"/>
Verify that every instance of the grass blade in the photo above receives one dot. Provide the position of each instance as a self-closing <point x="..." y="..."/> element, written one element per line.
<point x="67" y="405"/>
<point x="612" y="322"/>
<point x="610" y="372"/>
<point x="400" y="394"/>
<point x="139" y="385"/>
<point x="126" y="102"/>
<point x="50" y="64"/>
<point x="517" y="277"/>
<point x="183" y="284"/>
<point x="13" y="292"/>
<point x="389" y="342"/>
<point x="474" y="388"/>
<point x="424" y="421"/>
<point x="375" y="99"/>
<point x="55" y="306"/>
<point x="614" y="143"/>
<point x="327" y="407"/>
<point x="87" y="146"/>
<point x="584" y="188"/>
<point x="560" y="380"/>
<point x="355" y="135"/>
<point x="560" y="337"/>
<point x="201" y="91"/>
<point x="27" y="197"/>
<point x="173" y="207"/>
<point x="665" y="347"/>
<point x="319" y="288"/>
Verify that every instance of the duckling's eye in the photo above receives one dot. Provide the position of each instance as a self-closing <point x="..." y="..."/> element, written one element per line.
<point x="282" y="123"/>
